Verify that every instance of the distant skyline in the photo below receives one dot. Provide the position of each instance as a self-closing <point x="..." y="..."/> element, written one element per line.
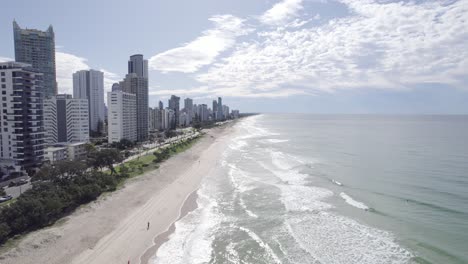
<point x="313" y="56"/>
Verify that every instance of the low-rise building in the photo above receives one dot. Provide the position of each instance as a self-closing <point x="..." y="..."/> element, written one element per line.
<point x="55" y="154"/>
<point x="75" y="151"/>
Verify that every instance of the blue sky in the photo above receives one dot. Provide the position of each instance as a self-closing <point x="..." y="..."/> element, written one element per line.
<point x="318" y="56"/>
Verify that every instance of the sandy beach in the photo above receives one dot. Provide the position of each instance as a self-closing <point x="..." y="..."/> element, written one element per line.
<point x="114" y="228"/>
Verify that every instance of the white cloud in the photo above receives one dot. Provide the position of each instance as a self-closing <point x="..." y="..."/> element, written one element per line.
<point x="109" y="79"/>
<point x="5" y="59"/>
<point x="66" y="64"/>
<point x="281" y="12"/>
<point x="379" y="45"/>
<point x="203" y="50"/>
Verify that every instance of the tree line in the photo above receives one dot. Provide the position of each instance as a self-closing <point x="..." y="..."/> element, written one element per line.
<point x="58" y="189"/>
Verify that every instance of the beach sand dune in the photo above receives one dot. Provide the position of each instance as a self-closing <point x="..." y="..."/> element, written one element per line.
<point x="114" y="229"/>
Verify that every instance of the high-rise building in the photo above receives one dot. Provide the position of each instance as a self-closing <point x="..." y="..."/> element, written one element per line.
<point x="188" y="105"/>
<point x="174" y="105"/>
<point x="138" y="65"/>
<point x="183" y="119"/>
<point x="164" y="119"/>
<point x="21" y="119"/>
<point x="139" y="87"/>
<point x="215" y="110"/>
<point x="235" y="114"/>
<point x="136" y="82"/>
<point x="170" y="118"/>
<point x="116" y="87"/>
<point x="220" y="115"/>
<point x="37" y="48"/>
<point x="154" y="122"/>
<point x="225" y="111"/>
<point x="66" y="119"/>
<point x="122" y="116"/>
<point x="89" y="84"/>
<point x="161" y="105"/>
<point x="203" y="112"/>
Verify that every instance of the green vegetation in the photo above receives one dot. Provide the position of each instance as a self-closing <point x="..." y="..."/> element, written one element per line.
<point x="123" y="144"/>
<point x="60" y="188"/>
<point x="150" y="162"/>
<point x="166" y="152"/>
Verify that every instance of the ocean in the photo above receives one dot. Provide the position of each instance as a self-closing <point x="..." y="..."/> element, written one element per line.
<point x="297" y="188"/>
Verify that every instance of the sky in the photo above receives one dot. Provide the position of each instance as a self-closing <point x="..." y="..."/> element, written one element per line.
<point x="299" y="56"/>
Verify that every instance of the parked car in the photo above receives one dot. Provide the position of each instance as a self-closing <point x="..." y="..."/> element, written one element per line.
<point x="17" y="183"/>
<point x="5" y="198"/>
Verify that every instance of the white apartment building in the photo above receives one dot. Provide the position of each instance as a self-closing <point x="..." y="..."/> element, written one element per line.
<point x="154" y="115"/>
<point x="66" y="119"/>
<point x="122" y="116"/>
<point x="55" y="154"/>
<point x="21" y="118"/>
<point x="183" y="119"/>
<point x="164" y="119"/>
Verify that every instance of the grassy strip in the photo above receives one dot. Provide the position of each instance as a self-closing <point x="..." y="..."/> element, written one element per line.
<point x="7" y="202"/>
<point x="147" y="162"/>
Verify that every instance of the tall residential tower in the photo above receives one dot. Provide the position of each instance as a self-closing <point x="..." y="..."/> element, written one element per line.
<point x="21" y="121"/>
<point x="37" y="48"/>
<point x="89" y="84"/>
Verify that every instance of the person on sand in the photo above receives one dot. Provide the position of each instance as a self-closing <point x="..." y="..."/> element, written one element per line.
<point x="147" y="227"/>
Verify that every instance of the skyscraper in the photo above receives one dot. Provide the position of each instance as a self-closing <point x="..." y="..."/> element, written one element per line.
<point x="203" y="112"/>
<point x="174" y="105"/>
<point x="154" y="115"/>
<point x="161" y="105"/>
<point x="66" y="119"/>
<point x="188" y="105"/>
<point x="122" y="114"/>
<point x="21" y="121"/>
<point x="139" y="87"/>
<point x="138" y="65"/>
<point x="215" y="110"/>
<point x="89" y="84"/>
<point x="37" y="48"/>
<point x="220" y="115"/>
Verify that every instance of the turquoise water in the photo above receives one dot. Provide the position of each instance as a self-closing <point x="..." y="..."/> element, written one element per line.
<point x="332" y="189"/>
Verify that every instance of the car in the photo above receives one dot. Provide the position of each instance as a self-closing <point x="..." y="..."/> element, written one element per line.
<point x="5" y="198"/>
<point x="22" y="181"/>
<point x="18" y="183"/>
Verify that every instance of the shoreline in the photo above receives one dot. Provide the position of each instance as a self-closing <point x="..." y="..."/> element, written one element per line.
<point x="189" y="206"/>
<point x="113" y="229"/>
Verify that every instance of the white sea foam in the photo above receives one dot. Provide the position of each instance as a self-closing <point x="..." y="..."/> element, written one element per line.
<point x="304" y="198"/>
<point x="337" y="182"/>
<point x="253" y="129"/>
<point x="348" y="199"/>
<point x="262" y="244"/>
<point x="237" y="144"/>
<point x="274" y="140"/>
<point x="239" y="179"/>
<point x="331" y="238"/>
<point x="232" y="255"/>
<point x="284" y="161"/>
<point x="242" y="184"/>
<point x="192" y="239"/>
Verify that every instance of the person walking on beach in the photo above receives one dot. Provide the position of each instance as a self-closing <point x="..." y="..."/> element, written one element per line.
<point x="147" y="227"/>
